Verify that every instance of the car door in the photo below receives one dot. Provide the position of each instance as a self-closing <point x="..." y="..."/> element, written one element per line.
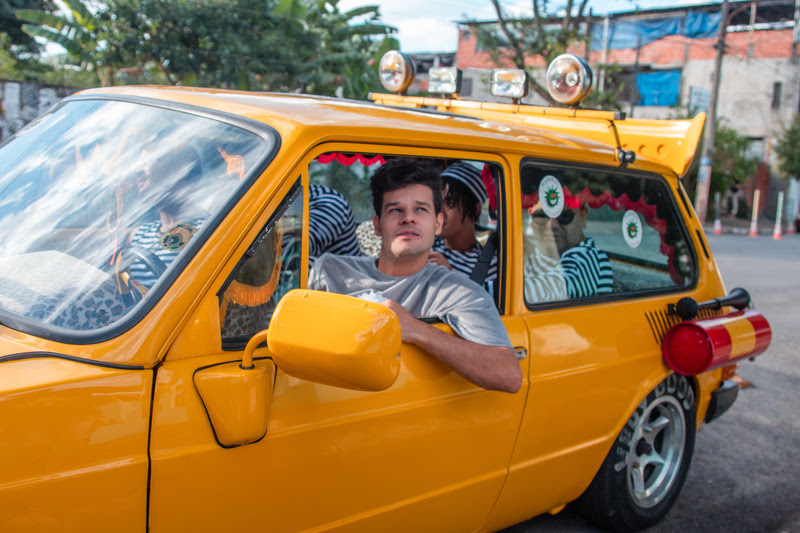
<point x="74" y="437"/>
<point x="430" y="452"/>
<point x="594" y="355"/>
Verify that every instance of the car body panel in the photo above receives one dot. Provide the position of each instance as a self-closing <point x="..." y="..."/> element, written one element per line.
<point x="74" y="450"/>
<point x="431" y="439"/>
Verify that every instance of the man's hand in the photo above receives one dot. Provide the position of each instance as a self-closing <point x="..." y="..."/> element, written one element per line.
<point x="439" y="259"/>
<point x="490" y="367"/>
<point x="409" y="325"/>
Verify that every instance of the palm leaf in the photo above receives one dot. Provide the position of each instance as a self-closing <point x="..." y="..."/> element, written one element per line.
<point x="368" y="28"/>
<point x="293" y="9"/>
<point x="41" y="18"/>
<point x="358" y="11"/>
<point x="72" y="46"/>
<point x="81" y="13"/>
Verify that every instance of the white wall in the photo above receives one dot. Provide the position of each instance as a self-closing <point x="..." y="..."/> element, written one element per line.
<point x="745" y="95"/>
<point x="24" y="101"/>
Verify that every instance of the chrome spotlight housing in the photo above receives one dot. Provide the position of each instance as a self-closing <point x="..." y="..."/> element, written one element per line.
<point x="396" y="71"/>
<point x="569" y="79"/>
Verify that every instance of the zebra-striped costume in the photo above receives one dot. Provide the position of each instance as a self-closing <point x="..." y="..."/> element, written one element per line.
<point x="465" y="262"/>
<point x="583" y="270"/>
<point x="331" y="224"/>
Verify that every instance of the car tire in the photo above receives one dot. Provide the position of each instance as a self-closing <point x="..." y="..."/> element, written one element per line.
<point x="644" y="472"/>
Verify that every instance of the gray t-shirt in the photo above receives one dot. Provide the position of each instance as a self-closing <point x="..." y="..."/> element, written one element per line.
<point x="434" y="291"/>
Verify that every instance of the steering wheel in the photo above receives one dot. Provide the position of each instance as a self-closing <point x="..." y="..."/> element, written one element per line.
<point x="130" y="290"/>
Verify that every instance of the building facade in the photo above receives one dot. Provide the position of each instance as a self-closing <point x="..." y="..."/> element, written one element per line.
<point x="760" y="79"/>
<point x="661" y="65"/>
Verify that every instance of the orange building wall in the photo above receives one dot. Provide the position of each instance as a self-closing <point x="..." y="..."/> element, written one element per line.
<point x="671" y="50"/>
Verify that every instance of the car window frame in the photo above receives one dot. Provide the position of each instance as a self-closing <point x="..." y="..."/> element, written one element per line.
<point x="75" y="337"/>
<point x="620" y="296"/>
<point x="496" y="160"/>
<point x="296" y="191"/>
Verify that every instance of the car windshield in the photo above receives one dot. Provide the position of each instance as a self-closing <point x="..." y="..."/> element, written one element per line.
<point x="101" y="203"/>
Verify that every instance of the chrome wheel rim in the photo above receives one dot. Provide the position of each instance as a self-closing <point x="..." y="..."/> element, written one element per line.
<point x="656" y="451"/>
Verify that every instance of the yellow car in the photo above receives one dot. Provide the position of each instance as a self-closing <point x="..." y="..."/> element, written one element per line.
<point x="163" y="366"/>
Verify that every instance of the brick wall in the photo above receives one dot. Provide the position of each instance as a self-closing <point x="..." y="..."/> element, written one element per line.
<point x="671" y="50"/>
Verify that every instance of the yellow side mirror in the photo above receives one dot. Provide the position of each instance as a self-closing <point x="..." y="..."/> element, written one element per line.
<point x="335" y="340"/>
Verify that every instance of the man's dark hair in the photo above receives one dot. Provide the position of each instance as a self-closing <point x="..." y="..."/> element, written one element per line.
<point x="458" y="194"/>
<point x="401" y="173"/>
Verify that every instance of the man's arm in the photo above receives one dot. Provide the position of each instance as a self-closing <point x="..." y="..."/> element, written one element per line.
<point x="490" y="367"/>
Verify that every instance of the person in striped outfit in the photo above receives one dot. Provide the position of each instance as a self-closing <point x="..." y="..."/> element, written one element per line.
<point x="331" y="224"/>
<point x="564" y="263"/>
<point x="456" y="247"/>
<point x="167" y="184"/>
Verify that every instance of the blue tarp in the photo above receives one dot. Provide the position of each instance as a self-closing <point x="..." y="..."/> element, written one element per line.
<point x="659" y="88"/>
<point x="626" y="33"/>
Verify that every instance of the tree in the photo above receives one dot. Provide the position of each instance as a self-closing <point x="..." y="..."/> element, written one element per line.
<point x="546" y="35"/>
<point x="238" y="44"/>
<point x="787" y="150"/>
<point x="286" y="45"/>
<point x="350" y="47"/>
<point x="730" y="163"/>
<point x="12" y="26"/>
<point x="9" y="68"/>
<point x="83" y="34"/>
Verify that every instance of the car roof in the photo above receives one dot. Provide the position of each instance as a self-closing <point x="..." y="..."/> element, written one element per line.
<point x="585" y="138"/>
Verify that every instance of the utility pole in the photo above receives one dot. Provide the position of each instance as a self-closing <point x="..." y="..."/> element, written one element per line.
<point x="634" y="92"/>
<point x="602" y="78"/>
<point x="704" y="173"/>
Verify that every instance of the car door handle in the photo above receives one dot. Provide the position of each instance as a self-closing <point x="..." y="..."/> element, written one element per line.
<point x="522" y="353"/>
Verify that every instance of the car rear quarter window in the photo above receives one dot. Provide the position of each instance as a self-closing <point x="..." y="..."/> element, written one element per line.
<point x="592" y="234"/>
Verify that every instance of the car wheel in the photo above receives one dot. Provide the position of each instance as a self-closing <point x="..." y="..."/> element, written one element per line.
<point x="644" y="472"/>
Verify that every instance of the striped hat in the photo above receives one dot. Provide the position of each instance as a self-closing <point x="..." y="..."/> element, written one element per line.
<point x="469" y="176"/>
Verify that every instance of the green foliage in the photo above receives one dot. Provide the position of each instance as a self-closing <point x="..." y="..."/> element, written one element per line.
<point x="236" y="44"/>
<point x="730" y="163"/>
<point x="349" y="45"/>
<point x="278" y="45"/>
<point x="787" y="150"/>
<point x="286" y="45"/>
<point x="9" y="68"/>
<point x="83" y="34"/>
<point x="605" y="100"/>
<point x="12" y="26"/>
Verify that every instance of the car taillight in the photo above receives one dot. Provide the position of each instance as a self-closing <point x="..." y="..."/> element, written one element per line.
<point x="694" y="346"/>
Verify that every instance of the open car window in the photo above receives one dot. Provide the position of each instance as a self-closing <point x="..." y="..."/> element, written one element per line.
<point x="340" y="204"/>
<point x="591" y="234"/>
<point x="101" y="204"/>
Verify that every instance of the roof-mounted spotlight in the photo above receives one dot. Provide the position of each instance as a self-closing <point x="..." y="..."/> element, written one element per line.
<point x="569" y="79"/>
<point x="446" y="80"/>
<point x="396" y="71"/>
<point x="509" y="83"/>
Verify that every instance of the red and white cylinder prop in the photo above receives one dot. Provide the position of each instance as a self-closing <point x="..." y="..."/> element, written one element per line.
<point x="695" y="346"/>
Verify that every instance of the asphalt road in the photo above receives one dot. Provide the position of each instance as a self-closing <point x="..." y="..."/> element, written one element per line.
<point x="745" y="475"/>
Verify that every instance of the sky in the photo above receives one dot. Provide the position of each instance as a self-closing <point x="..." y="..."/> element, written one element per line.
<point x="429" y="25"/>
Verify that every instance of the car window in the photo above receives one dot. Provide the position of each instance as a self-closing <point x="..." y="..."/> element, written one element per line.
<point x="101" y="200"/>
<point x="269" y="269"/>
<point x="341" y="209"/>
<point x="590" y="234"/>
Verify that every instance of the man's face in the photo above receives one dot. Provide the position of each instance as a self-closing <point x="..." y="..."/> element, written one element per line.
<point x="565" y="231"/>
<point x="454" y="222"/>
<point x="408" y="224"/>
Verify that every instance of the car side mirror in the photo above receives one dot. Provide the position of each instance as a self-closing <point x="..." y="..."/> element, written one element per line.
<point x="335" y="340"/>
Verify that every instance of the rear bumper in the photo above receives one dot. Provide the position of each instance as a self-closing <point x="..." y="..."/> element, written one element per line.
<point x="722" y="399"/>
